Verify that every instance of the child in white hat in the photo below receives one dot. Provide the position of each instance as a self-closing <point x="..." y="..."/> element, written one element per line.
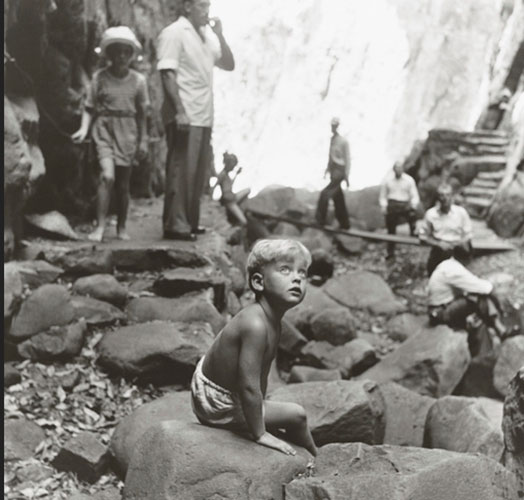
<point x="116" y="106"/>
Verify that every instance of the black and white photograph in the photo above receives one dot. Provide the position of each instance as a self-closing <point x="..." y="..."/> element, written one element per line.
<point x="263" y="250"/>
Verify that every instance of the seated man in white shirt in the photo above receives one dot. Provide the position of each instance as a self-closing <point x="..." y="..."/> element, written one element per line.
<point x="398" y="201"/>
<point x="444" y="227"/>
<point x="454" y="293"/>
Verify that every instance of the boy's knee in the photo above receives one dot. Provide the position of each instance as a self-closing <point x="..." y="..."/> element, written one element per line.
<point x="300" y="414"/>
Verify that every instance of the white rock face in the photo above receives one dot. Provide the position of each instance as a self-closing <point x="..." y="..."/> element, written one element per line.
<point x="390" y="69"/>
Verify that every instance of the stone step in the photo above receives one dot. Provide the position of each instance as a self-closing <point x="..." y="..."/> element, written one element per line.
<point x="485" y="183"/>
<point x="478" y="202"/>
<point x="491" y="163"/>
<point x="498" y="175"/>
<point x="480" y="192"/>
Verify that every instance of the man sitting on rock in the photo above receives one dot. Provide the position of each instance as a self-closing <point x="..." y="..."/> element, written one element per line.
<point x="454" y="293"/>
<point x="445" y="226"/>
<point x="230" y="381"/>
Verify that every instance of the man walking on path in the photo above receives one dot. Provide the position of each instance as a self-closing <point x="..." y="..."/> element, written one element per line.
<point x="338" y="169"/>
<point x="398" y="201"/>
<point x="444" y="227"/>
<point x="187" y="53"/>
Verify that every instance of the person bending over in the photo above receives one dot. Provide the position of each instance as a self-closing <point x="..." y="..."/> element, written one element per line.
<point x="454" y="293"/>
<point x="229" y="384"/>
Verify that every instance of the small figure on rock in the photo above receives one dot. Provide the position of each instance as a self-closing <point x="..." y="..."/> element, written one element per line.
<point x="444" y="227"/>
<point x="398" y="201"/>
<point x="230" y="381"/>
<point x="338" y="169"/>
<point x="116" y="107"/>
<point x="454" y="293"/>
<point x="229" y="199"/>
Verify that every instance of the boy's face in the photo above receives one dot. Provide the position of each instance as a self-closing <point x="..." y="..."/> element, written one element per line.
<point x="284" y="280"/>
<point x="119" y="54"/>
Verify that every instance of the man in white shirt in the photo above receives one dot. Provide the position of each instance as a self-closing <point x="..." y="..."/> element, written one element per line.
<point x="338" y="169"/>
<point x="398" y="201"/>
<point x="444" y="227"/>
<point x="454" y="293"/>
<point x="187" y="53"/>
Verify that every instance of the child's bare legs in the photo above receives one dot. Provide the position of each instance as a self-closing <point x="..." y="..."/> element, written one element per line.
<point x="237" y="213"/>
<point x="105" y="187"/>
<point x="293" y="419"/>
<point x="242" y="195"/>
<point x="123" y="175"/>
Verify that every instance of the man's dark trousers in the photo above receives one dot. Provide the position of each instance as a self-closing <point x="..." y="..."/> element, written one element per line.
<point x="333" y="191"/>
<point x="187" y="162"/>
<point x="398" y="212"/>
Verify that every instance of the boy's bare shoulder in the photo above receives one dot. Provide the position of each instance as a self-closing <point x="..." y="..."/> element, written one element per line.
<point x="250" y="320"/>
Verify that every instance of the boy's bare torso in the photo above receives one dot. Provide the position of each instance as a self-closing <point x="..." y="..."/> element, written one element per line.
<point x="221" y="361"/>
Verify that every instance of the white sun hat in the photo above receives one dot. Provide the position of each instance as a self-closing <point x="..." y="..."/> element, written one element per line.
<point x="120" y="34"/>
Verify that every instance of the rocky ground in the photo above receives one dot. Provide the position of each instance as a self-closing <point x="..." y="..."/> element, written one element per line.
<point x="77" y="367"/>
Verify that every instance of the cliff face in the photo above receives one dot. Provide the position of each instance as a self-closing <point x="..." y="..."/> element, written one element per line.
<point x="391" y="69"/>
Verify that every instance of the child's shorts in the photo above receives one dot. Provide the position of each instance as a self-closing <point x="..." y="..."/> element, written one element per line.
<point x="214" y="405"/>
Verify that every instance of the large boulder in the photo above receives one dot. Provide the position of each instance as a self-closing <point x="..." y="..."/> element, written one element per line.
<point x="405" y="325"/>
<point x="291" y="340"/>
<point x="174" y="406"/>
<point x="188" y="308"/>
<point x="461" y="424"/>
<point x="336" y="325"/>
<point x="406" y="413"/>
<point x="315" y="301"/>
<point x="159" y="351"/>
<point x="315" y="239"/>
<point x="430" y="363"/>
<point x="96" y="312"/>
<point x="48" y="305"/>
<point x="350" y="359"/>
<point x="178" y="461"/>
<point x="339" y="411"/>
<point x="509" y="362"/>
<point x="102" y="287"/>
<point x="364" y="208"/>
<point x="81" y="261"/>
<point x="513" y="427"/>
<point x="58" y="343"/>
<point x="278" y="200"/>
<point x="354" y="471"/>
<point x="506" y="216"/>
<point x="52" y="224"/>
<point x="363" y="290"/>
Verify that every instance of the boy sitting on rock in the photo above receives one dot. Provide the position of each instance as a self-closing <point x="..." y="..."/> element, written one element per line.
<point x="230" y="381"/>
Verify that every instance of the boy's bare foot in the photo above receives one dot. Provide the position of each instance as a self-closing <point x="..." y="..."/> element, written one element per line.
<point x="271" y="441"/>
<point x="122" y="235"/>
<point x="97" y="235"/>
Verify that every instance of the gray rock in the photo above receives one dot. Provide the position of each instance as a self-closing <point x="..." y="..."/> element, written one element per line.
<point x="315" y="239"/>
<point x="286" y="229"/>
<point x="54" y="223"/>
<point x="188" y="308"/>
<point x="11" y="375"/>
<point x="356" y="471"/>
<point x="291" y="340"/>
<point x="314" y="302"/>
<point x="405" y="325"/>
<point x="175" y="406"/>
<point x="363" y="290"/>
<point x="406" y="413"/>
<point x="350" y="359"/>
<point x="322" y="264"/>
<point x="431" y="363"/>
<point x="21" y="437"/>
<point x="13" y="288"/>
<point x="158" y="351"/>
<point x="299" y="374"/>
<point x="460" y="424"/>
<point x="238" y="279"/>
<point x="278" y="200"/>
<point x="478" y="379"/>
<point x="349" y="244"/>
<point x="101" y="287"/>
<point x="506" y="216"/>
<point x="96" y="312"/>
<point x="82" y="261"/>
<point x="35" y="273"/>
<point x="509" y="362"/>
<point x="48" y="305"/>
<point x="32" y="472"/>
<point x="336" y="325"/>
<point x="339" y="411"/>
<point x="177" y="461"/>
<point x="513" y="428"/>
<point x="233" y="305"/>
<point x="83" y="455"/>
<point x="57" y="343"/>
<point x="180" y="281"/>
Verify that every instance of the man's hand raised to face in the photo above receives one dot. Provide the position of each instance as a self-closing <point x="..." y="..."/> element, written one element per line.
<point x="216" y="25"/>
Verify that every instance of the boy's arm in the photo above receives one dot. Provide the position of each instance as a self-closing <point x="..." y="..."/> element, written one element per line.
<point x="81" y="133"/>
<point x="252" y="349"/>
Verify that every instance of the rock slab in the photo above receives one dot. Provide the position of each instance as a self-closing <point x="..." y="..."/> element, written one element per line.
<point x="21" y="437"/>
<point x="179" y="461"/>
<point x="509" y="362"/>
<point x="102" y="287"/>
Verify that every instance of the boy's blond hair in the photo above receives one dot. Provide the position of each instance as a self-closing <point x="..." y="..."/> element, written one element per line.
<point x="267" y="251"/>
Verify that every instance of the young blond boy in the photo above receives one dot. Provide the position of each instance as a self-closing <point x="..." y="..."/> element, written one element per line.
<point x="230" y="381"/>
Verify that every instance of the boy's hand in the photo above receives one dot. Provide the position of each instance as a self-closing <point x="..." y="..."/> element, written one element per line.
<point x="142" y="150"/>
<point x="79" y="135"/>
<point x="271" y="441"/>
